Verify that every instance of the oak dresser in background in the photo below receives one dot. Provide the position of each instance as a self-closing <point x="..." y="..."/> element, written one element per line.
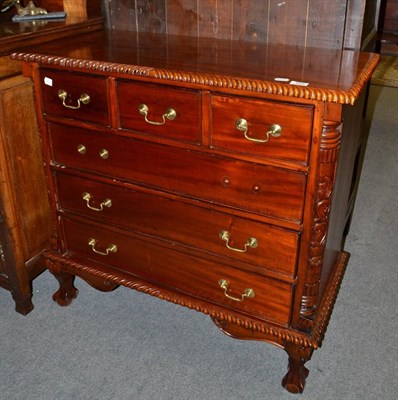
<point x="24" y="211"/>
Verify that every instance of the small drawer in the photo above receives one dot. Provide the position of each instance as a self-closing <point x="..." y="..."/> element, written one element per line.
<point x="78" y="96"/>
<point x="160" y="111"/>
<point x="188" y="273"/>
<point x="263" y="246"/>
<point x="262" y="128"/>
<point x="243" y="185"/>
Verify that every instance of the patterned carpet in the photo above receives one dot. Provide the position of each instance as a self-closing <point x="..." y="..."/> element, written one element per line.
<point x="386" y="73"/>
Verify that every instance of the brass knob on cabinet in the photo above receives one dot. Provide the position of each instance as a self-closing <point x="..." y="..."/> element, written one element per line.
<point x="248" y="293"/>
<point x="170" y="114"/>
<point x="81" y="148"/>
<point x="83" y="99"/>
<point x="104" y="154"/>
<point x="275" y="130"/>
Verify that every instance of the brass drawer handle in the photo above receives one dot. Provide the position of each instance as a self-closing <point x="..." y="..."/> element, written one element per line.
<point x="251" y="242"/>
<point x="105" y="203"/>
<point x="83" y="99"/>
<point x="275" y="130"/>
<point x="247" y="293"/>
<point x="112" y="248"/>
<point x="170" y="114"/>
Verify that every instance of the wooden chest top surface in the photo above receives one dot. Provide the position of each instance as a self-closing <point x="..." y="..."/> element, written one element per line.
<point x="311" y="73"/>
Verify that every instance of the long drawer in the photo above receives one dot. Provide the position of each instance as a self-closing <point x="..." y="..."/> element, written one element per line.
<point x="264" y="246"/>
<point x="218" y="283"/>
<point x="257" y="188"/>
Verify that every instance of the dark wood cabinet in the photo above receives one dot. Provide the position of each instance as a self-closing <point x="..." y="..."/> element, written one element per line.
<point x="24" y="210"/>
<point x="210" y="173"/>
<point x="25" y="215"/>
<point x="388" y="27"/>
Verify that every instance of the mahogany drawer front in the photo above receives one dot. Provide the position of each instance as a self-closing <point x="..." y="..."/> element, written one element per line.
<point x="260" y="137"/>
<point x="75" y="86"/>
<point x="275" y="250"/>
<point x="160" y="110"/>
<point x="180" y="271"/>
<point x="257" y="188"/>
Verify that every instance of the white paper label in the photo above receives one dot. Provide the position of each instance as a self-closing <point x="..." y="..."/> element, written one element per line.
<point x="48" y="81"/>
<point x="282" y="79"/>
<point x="299" y="83"/>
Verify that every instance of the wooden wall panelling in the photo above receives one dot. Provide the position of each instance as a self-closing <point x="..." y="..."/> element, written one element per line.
<point x="272" y="20"/>
<point x="250" y="21"/>
<point x="315" y="23"/>
<point x="325" y="23"/>
<point x="287" y="22"/>
<point x="391" y="16"/>
<point x="182" y="17"/>
<point x="355" y="21"/>
<point x="215" y="18"/>
<point x="150" y="16"/>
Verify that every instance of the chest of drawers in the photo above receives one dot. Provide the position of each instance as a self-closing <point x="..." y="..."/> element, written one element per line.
<point x="227" y="193"/>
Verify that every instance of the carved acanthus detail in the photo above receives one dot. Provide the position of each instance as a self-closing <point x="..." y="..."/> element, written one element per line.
<point x="329" y="149"/>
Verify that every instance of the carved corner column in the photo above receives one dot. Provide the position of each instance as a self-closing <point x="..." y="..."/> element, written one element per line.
<point x="329" y="150"/>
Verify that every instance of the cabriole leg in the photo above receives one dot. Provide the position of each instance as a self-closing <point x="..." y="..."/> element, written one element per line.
<point x="67" y="291"/>
<point x="294" y="380"/>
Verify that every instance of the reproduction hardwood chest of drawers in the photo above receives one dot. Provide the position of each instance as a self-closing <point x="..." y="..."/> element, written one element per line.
<point x="191" y="171"/>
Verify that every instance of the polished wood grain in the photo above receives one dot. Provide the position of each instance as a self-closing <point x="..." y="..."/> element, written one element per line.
<point x="151" y="213"/>
<point x="24" y="209"/>
<point x="23" y="192"/>
<point x="229" y="182"/>
<point x="172" y="269"/>
<point x="295" y="122"/>
<point x="9" y="67"/>
<point x="186" y="125"/>
<point x="97" y="110"/>
<point x="172" y="190"/>
<point x="15" y="36"/>
<point x="331" y="75"/>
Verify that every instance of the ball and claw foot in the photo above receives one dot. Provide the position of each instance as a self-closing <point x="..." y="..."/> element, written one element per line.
<point x="67" y="291"/>
<point x="294" y="380"/>
<point x="64" y="297"/>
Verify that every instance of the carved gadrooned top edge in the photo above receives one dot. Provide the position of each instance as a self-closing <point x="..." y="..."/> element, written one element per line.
<point x="212" y="80"/>
<point x="214" y="311"/>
